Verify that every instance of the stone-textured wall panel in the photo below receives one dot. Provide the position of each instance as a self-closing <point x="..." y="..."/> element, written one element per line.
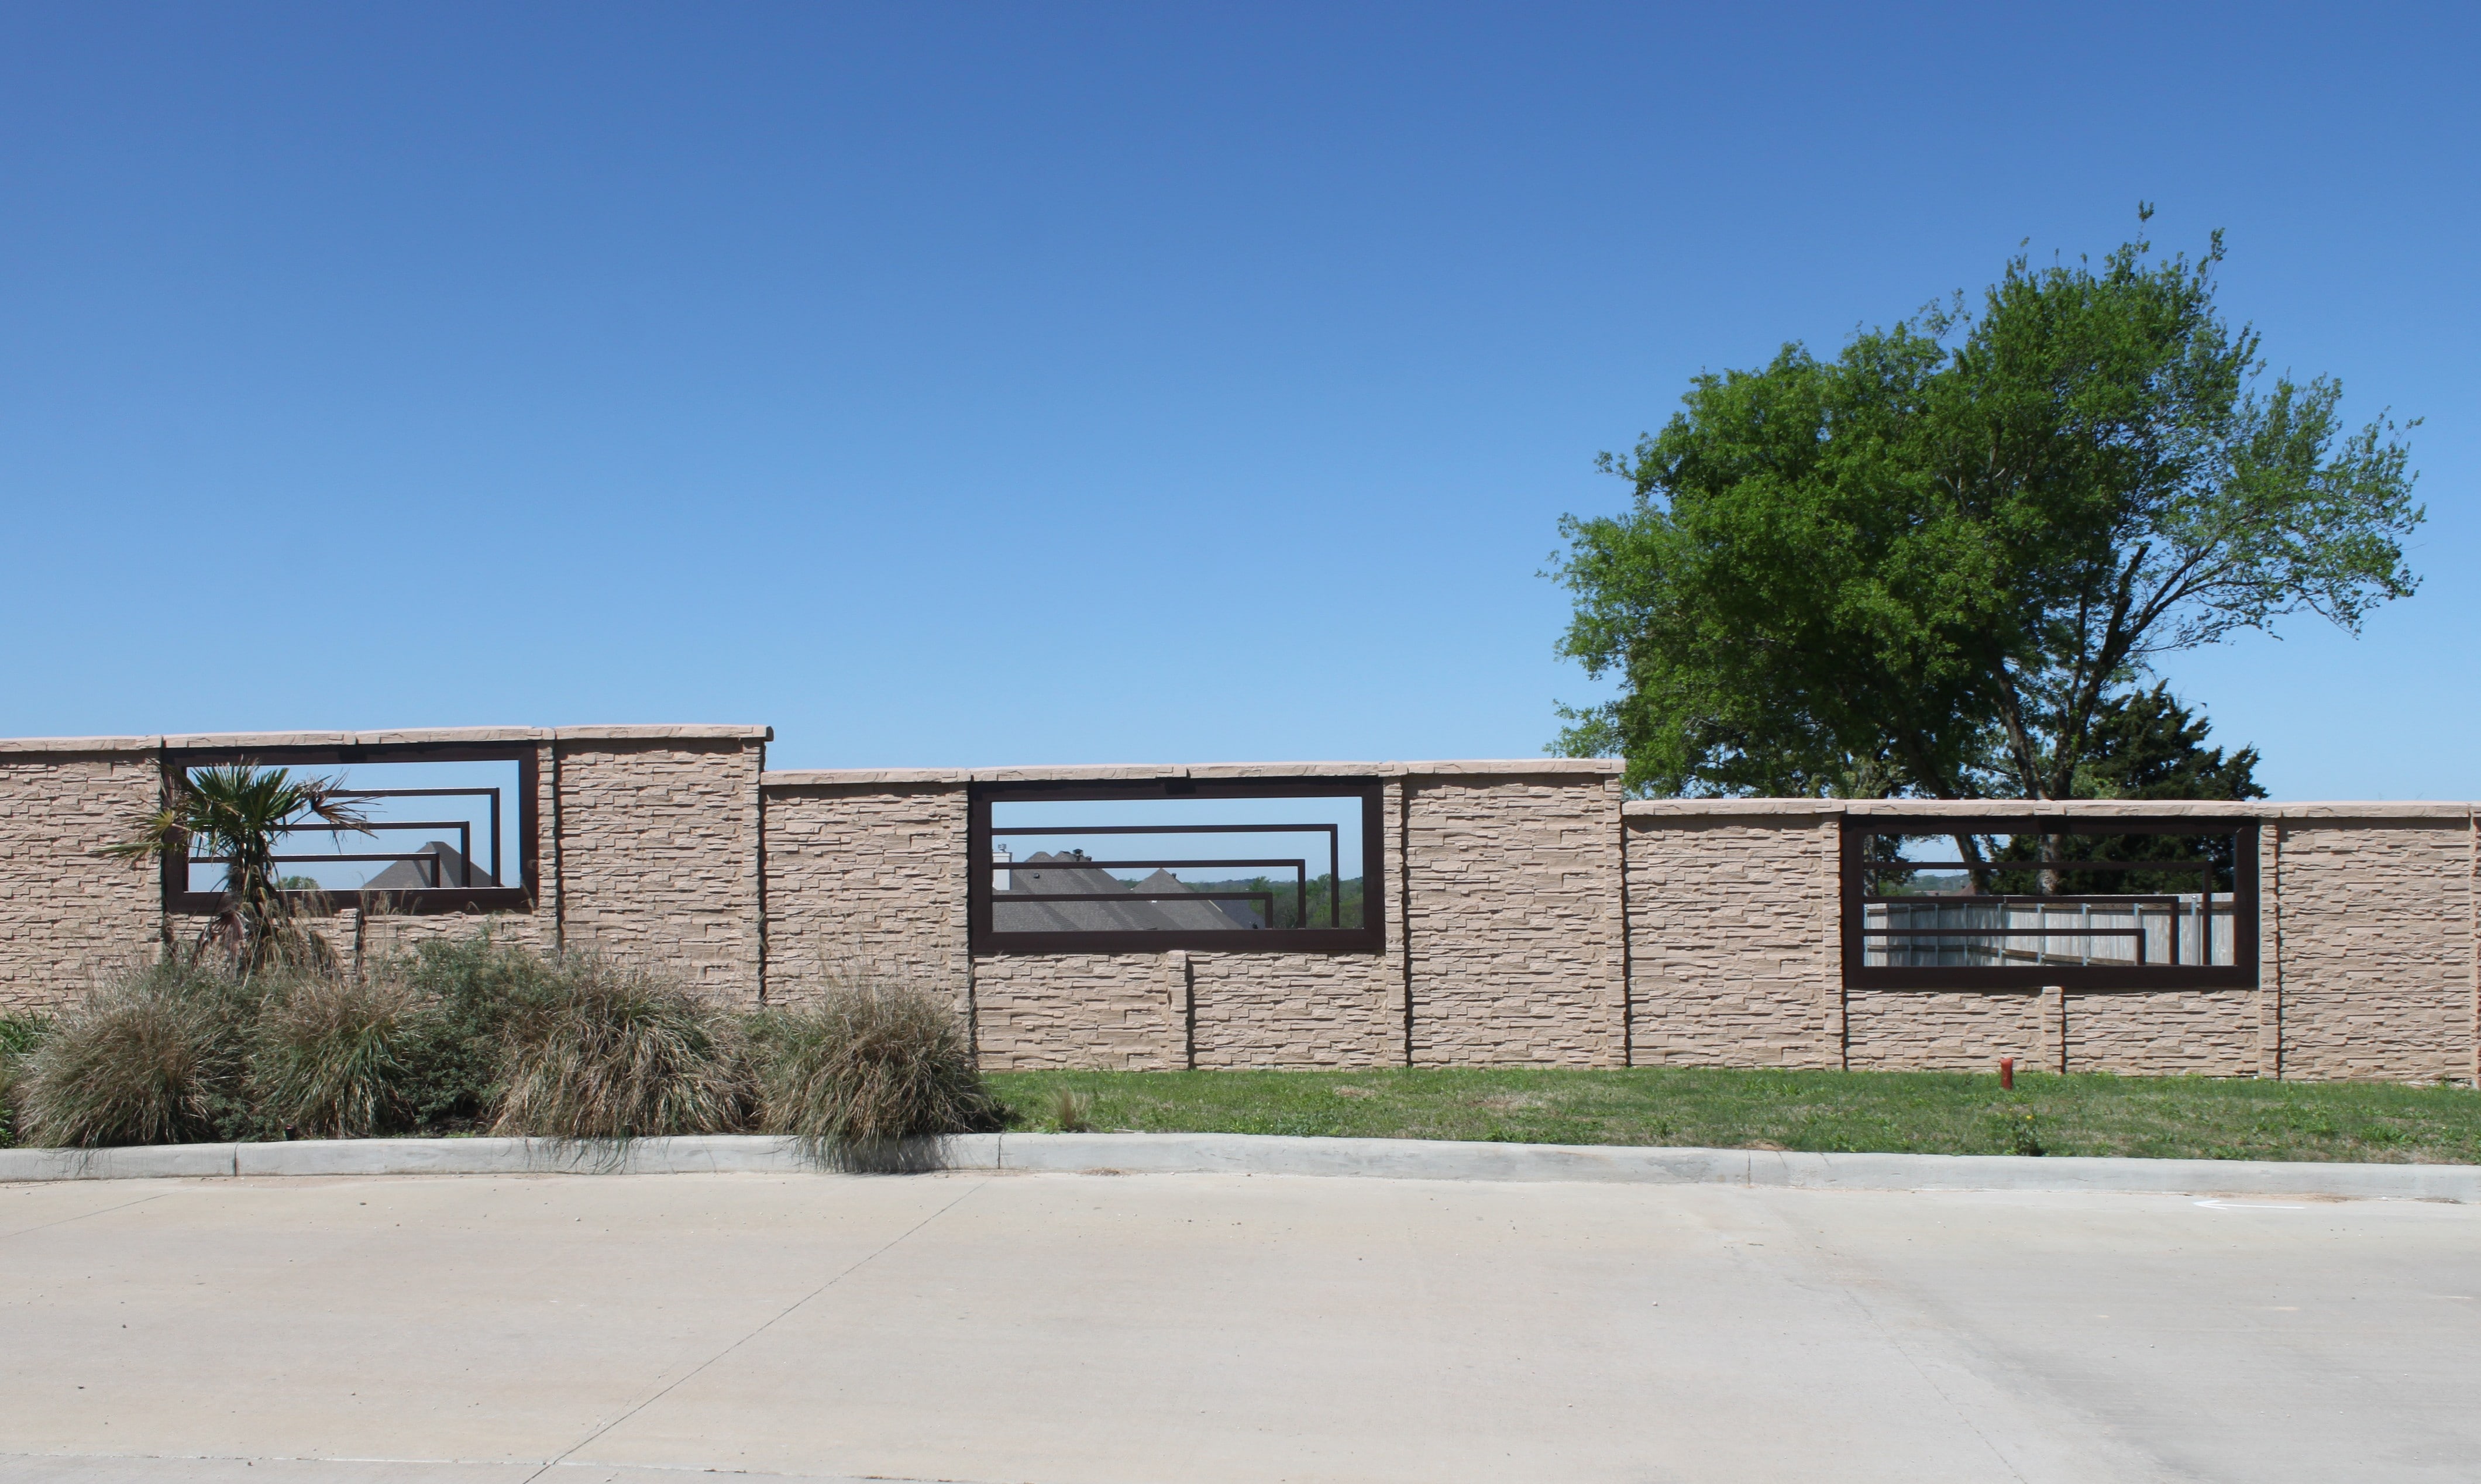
<point x="1734" y="959"/>
<point x="1298" y="1009"/>
<point x="2197" y="1033"/>
<point x="1513" y="923"/>
<point x="2377" y="946"/>
<point x="1122" y="1011"/>
<point x="865" y="882"/>
<point x="1937" y="1031"/>
<point x="71" y="914"/>
<point x="658" y="857"/>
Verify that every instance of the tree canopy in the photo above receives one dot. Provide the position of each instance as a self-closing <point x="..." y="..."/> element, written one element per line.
<point x="1935" y="563"/>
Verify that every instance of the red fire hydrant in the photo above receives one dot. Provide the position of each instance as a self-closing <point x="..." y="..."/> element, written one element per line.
<point x="2007" y="1074"/>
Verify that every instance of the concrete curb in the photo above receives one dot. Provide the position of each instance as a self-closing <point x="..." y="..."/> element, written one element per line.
<point x="1241" y="1153"/>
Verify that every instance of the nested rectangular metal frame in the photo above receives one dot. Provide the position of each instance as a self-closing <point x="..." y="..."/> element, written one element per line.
<point x="1368" y="938"/>
<point x="2240" y="973"/>
<point x="520" y="897"/>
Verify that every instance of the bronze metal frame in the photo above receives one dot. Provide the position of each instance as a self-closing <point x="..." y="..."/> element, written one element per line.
<point x="1368" y="938"/>
<point x="1859" y="974"/>
<point x="520" y="897"/>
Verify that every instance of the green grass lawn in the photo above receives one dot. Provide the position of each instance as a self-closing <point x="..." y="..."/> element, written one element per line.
<point x="1920" y="1113"/>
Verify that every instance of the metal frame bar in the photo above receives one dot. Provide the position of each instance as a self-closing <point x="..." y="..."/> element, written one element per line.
<point x="1334" y="845"/>
<point x="1300" y="879"/>
<point x="1265" y="900"/>
<point x="1368" y="938"/>
<point x="522" y="896"/>
<point x="1858" y="870"/>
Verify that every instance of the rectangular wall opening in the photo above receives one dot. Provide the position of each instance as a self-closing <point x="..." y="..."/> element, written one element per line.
<point x="446" y="828"/>
<point x="1977" y="902"/>
<point x="1255" y="865"/>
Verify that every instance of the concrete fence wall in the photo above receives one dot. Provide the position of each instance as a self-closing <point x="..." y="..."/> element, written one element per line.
<point x="1532" y="919"/>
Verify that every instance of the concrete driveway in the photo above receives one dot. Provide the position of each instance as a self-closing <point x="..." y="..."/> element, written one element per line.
<point x="1095" y="1330"/>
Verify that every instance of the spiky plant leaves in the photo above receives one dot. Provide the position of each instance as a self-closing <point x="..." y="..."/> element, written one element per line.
<point x="241" y="815"/>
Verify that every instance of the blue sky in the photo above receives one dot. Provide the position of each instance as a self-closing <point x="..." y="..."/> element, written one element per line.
<point x="959" y="384"/>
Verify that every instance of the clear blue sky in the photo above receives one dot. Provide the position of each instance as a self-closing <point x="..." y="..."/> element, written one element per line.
<point x="956" y="384"/>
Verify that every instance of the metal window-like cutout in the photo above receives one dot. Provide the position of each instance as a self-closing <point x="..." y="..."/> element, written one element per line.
<point x="1969" y="902"/>
<point x="453" y="828"/>
<point x="1237" y="865"/>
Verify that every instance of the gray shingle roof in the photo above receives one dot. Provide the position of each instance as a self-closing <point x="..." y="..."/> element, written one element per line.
<point x="1020" y="909"/>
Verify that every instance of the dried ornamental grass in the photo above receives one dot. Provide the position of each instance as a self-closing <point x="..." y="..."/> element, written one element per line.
<point x="608" y="1052"/>
<point x="871" y="1064"/>
<point x="331" y="1057"/>
<point x="153" y="1056"/>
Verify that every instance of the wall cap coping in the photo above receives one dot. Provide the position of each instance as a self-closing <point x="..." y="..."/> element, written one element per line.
<point x="391" y="737"/>
<point x="85" y="745"/>
<point x="2086" y="808"/>
<point x="857" y="778"/>
<point x="860" y="777"/>
<point x="726" y="731"/>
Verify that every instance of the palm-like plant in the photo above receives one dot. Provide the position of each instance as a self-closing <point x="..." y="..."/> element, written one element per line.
<point x="241" y="814"/>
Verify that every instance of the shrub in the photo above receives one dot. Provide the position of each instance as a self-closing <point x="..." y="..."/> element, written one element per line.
<point x="870" y="1064"/>
<point x="19" y="1034"/>
<point x="471" y="991"/>
<point x="329" y="1058"/>
<point x="153" y="1056"/>
<point x="600" y="1051"/>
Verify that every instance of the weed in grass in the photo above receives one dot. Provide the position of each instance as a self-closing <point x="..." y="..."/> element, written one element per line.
<point x="2022" y="1128"/>
<point x="871" y="1063"/>
<point x="610" y="1051"/>
<point x="1072" y="1111"/>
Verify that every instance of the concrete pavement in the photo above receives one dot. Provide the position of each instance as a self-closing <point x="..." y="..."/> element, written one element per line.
<point x="1091" y="1329"/>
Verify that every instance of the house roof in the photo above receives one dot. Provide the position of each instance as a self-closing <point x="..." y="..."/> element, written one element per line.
<point x="1019" y="909"/>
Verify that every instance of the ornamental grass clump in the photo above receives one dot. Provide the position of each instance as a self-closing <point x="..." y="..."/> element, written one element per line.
<point x="871" y="1064"/>
<point x="608" y="1051"/>
<point x="334" y="1058"/>
<point x="153" y="1055"/>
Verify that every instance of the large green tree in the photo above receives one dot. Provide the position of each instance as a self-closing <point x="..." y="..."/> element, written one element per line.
<point x="1932" y="564"/>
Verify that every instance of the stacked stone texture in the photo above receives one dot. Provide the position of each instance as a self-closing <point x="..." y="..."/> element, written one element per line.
<point x="1734" y="958"/>
<point x="865" y="880"/>
<point x="2199" y="1033"/>
<point x="1513" y="923"/>
<point x="2377" y="949"/>
<point x="68" y="916"/>
<point x="1299" y="1009"/>
<point x="658" y="856"/>
<point x="1116" y="1010"/>
<point x="1925" y="1030"/>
